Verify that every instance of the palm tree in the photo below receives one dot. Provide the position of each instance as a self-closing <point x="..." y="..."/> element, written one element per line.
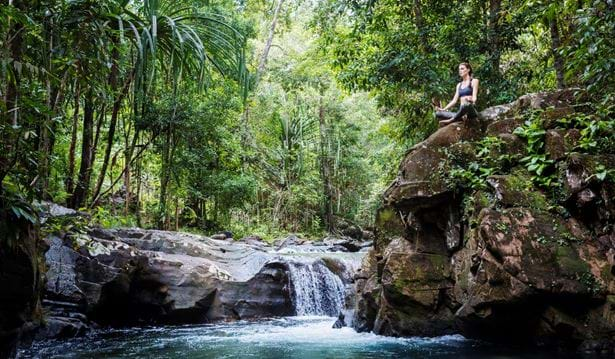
<point x="170" y="38"/>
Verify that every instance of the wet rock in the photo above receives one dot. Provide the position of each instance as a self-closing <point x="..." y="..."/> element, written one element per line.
<point x="413" y="299"/>
<point x="339" y="323"/>
<point x="61" y="328"/>
<point x="222" y="235"/>
<point x="348" y="244"/>
<point x="367" y="299"/>
<point x="254" y="241"/>
<point x="20" y="281"/>
<point x="267" y="294"/>
<point x="353" y="232"/>
<point x="366" y="244"/>
<point x="160" y="277"/>
<point x="291" y="240"/>
<point x="367" y="235"/>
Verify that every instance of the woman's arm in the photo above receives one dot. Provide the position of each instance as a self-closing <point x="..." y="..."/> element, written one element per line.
<point x="454" y="100"/>
<point x="474" y="90"/>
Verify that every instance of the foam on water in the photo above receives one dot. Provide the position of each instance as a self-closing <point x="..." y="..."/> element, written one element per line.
<point x="313" y="330"/>
<point x="291" y="337"/>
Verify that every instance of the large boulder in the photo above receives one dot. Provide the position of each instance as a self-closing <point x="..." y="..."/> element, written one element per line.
<point x="503" y="263"/>
<point x="526" y="275"/>
<point x="133" y="276"/>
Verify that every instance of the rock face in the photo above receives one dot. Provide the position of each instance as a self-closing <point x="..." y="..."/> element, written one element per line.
<point x="20" y="280"/>
<point x="497" y="263"/>
<point x="132" y="277"/>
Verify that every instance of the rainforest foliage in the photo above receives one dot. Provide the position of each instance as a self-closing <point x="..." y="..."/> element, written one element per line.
<point x="259" y="116"/>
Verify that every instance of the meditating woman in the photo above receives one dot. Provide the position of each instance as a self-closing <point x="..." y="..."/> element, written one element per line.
<point x="466" y="92"/>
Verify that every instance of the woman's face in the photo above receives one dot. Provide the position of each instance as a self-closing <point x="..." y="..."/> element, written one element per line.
<point x="463" y="70"/>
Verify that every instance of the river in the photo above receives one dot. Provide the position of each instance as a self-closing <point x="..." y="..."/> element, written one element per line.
<point x="318" y="296"/>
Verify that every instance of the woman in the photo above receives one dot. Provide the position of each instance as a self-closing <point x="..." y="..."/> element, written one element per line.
<point x="466" y="92"/>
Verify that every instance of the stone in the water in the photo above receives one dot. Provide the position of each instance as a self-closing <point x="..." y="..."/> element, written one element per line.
<point x="222" y="235"/>
<point x="339" y="323"/>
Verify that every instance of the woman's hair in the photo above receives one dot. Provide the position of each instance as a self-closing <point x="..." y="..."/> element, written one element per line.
<point x="468" y="66"/>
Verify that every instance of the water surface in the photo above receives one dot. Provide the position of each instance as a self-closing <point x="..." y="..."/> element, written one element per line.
<point x="291" y="337"/>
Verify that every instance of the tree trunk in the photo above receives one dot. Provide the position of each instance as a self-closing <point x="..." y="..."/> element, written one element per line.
<point x="494" y="35"/>
<point x="9" y="138"/>
<point x="420" y="26"/>
<point x="101" y="117"/>
<point x="128" y="154"/>
<point x="558" y="61"/>
<point x="176" y="214"/>
<point x="265" y="54"/>
<point x="164" y="181"/>
<point x="14" y="45"/>
<point x="247" y="139"/>
<point x="44" y="145"/>
<point x="85" y="168"/>
<point x="325" y="169"/>
<point x="73" y="144"/>
<point x="55" y="96"/>
<point x="117" y="103"/>
<point x="138" y="194"/>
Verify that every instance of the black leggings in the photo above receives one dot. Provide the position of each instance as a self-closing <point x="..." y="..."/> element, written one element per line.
<point x="465" y="109"/>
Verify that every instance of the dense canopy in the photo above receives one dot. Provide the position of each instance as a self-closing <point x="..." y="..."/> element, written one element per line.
<point x="265" y="116"/>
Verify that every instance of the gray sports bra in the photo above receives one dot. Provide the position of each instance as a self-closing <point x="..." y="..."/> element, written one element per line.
<point x="465" y="91"/>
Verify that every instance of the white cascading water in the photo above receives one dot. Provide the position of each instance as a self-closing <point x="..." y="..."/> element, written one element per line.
<point x="317" y="290"/>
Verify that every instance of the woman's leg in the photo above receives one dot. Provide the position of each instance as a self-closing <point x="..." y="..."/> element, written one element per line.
<point x="444" y="115"/>
<point x="465" y="109"/>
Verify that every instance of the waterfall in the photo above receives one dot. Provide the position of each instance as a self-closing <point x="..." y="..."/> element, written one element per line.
<point x="316" y="290"/>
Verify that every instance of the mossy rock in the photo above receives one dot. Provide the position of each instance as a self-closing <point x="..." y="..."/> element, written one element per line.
<point x="388" y="225"/>
<point x="536" y="248"/>
<point x="416" y="278"/>
<point x="504" y="126"/>
<point x="516" y="191"/>
<point x="512" y="145"/>
<point x="461" y="153"/>
<point x="578" y="170"/>
<point x="550" y="116"/>
<point x="559" y="142"/>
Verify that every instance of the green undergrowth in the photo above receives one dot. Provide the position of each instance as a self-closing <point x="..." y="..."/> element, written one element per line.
<point x="534" y="177"/>
<point x="468" y="165"/>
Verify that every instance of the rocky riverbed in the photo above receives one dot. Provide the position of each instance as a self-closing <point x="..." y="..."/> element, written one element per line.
<point x="126" y="277"/>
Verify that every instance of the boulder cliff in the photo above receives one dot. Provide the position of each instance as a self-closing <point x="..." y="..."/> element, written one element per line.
<point x="475" y="237"/>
